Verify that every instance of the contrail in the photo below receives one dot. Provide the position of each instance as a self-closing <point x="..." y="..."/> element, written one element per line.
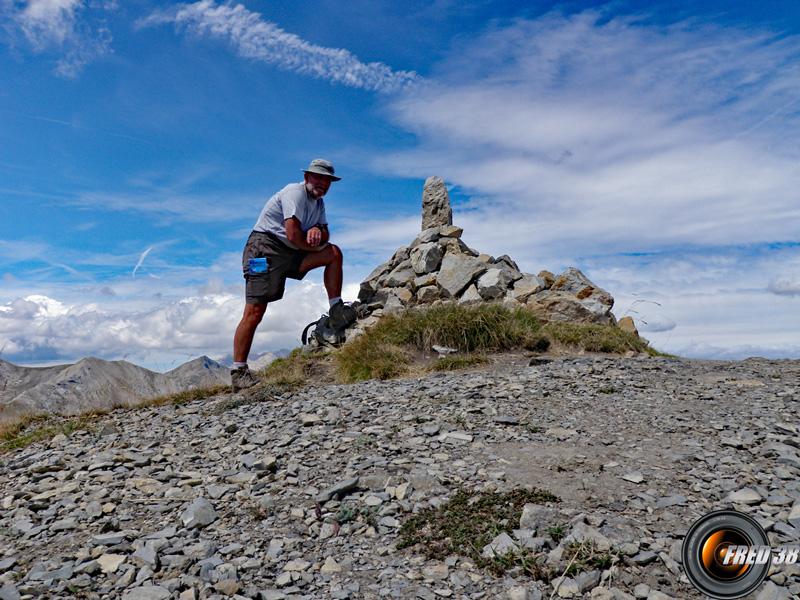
<point x="141" y="260"/>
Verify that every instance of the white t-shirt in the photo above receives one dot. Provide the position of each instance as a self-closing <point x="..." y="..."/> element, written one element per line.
<point x="291" y="201"/>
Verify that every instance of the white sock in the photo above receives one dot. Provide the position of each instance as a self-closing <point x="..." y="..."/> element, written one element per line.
<point x="334" y="300"/>
<point x="239" y="365"/>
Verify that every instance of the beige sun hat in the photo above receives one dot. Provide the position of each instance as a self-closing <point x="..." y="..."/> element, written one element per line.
<point x="320" y="166"/>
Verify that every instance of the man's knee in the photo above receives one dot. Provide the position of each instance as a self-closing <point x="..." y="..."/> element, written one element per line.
<point x="336" y="253"/>
<point x="254" y="312"/>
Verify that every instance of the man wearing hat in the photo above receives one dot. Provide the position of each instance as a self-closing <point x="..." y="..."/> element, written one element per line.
<point x="289" y="239"/>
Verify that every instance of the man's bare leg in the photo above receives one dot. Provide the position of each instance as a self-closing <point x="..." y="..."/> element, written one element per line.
<point x="243" y="338"/>
<point x="331" y="259"/>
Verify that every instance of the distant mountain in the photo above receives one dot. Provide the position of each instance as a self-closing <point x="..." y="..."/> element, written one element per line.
<point x="93" y="383"/>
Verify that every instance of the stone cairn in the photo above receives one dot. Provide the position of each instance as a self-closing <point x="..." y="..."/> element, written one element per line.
<point x="437" y="267"/>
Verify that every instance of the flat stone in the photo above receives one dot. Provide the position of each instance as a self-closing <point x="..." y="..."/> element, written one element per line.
<point x="296" y="565"/>
<point x="147" y="592"/>
<point x="199" y="513"/>
<point x="9" y="592"/>
<point x="342" y="488"/>
<point x="745" y="496"/>
<point x="330" y="566"/>
<point x="229" y="587"/>
<point x="109" y="563"/>
<point x="633" y="477"/>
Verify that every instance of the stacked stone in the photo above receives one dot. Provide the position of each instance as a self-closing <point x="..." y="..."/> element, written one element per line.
<point x="439" y="267"/>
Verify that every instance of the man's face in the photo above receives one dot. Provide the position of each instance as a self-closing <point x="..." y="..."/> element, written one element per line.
<point x="317" y="185"/>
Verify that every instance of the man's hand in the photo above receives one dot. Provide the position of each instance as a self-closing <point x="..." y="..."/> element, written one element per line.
<point x="301" y="239"/>
<point x="314" y="236"/>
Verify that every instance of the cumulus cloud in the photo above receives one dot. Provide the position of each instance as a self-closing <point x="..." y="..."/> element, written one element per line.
<point x="48" y="22"/>
<point x="55" y="25"/>
<point x="255" y="38"/>
<point x="785" y="286"/>
<point x="38" y="327"/>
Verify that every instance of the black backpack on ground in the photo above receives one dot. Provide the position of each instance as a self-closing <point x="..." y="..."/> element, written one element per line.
<point x="323" y="334"/>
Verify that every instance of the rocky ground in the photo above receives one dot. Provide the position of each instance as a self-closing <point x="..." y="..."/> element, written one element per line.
<point x="302" y="496"/>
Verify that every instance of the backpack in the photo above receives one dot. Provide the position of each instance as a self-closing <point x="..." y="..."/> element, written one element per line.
<point x="322" y="334"/>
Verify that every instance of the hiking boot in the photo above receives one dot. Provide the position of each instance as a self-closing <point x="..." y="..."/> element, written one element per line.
<point x="341" y="315"/>
<point x="243" y="378"/>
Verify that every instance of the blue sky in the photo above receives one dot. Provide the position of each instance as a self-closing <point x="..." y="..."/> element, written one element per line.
<point x="655" y="148"/>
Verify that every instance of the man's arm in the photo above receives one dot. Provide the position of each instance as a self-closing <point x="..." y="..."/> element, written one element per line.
<point x="296" y="235"/>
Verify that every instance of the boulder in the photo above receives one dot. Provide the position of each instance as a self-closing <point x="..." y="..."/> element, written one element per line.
<point x="427" y="294"/>
<point x="431" y="234"/>
<point x="562" y="306"/>
<point x="423" y="280"/>
<point x="547" y="277"/>
<point x="506" y="260"/>
<point x="426" y="258"/>
<point x="525" y="287"/>
<point x="495" y="282"/>
<point x="471" y="296"/>
<point x="450" y="231"/>
<point x="457" y="272"/>
<point x="627" y="324"/>
<point x="456" y="246"/>
<point x="400" y="276"/>
<point x="436" y="209"/>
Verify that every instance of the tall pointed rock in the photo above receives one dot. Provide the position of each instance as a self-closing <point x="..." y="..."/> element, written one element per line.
<point x="436" y="209"/>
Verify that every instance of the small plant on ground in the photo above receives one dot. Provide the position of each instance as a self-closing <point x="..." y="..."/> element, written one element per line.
<point x="469" y="521"/>
<point x="557" y="533"/>
<point x="584" y="556"/>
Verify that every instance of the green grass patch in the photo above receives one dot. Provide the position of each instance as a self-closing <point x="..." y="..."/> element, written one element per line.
<point x="371" y="356"/>
<point x="485" y="327"/>
<point x="185" y="396"/>
<point x="458" y="361"/>
<point x="468" y="521"/>
<point x="594" y="338"/>
<point x="31" y="429"/>
<point x="296" y="369"/>
<point x="387" y="349"/>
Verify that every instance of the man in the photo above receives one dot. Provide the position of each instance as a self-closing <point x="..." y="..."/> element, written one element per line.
<point x="292" y="235"/>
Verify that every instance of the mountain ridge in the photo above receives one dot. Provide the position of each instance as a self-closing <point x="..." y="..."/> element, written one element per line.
<point x="93" y="383"/>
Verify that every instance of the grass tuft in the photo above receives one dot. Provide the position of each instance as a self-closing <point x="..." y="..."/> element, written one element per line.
<point x="594" y="338"/>
<point x="458" y="361"/>
<point x="294" y="370"/>
<point x="585" y="557"/>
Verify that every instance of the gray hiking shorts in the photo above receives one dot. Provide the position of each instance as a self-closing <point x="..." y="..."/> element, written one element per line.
<point x="283" y="261"/>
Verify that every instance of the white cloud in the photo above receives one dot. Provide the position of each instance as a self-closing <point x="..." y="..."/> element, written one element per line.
<point x="578" y="134"/>
<point x="35" y="327"/>
<point x="258" y="39"/>
<point x="55" y="25"/>
<point x="788" y="285"/>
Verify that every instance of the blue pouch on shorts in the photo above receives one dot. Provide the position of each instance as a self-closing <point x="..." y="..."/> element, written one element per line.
<point x="258" y="265"/>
